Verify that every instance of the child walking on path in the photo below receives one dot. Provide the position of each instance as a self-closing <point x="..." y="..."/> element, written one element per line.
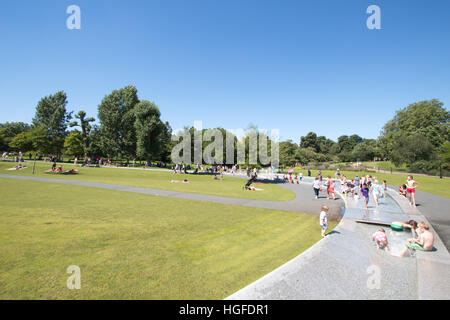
<point x="324" y="220"/>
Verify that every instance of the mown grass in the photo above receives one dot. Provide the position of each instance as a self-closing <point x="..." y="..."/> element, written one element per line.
<point x="134" y="246"/>
<point x="204" y="184"/>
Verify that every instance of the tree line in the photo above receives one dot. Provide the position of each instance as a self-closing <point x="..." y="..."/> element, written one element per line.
<point x="129" y="128"/>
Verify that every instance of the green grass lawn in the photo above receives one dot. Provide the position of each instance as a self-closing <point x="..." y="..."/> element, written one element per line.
<point x="432" y="185"/>
<point x="204" y="184"/>
<point x="385" y="165"/>
<point x="133" y="246"/>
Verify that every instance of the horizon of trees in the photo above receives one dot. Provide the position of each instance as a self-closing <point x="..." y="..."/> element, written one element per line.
<point x="130" y="128"/>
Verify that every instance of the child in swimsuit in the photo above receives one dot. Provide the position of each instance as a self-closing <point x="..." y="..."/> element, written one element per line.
<point x="411" y="190"/>
<point x="381" y="239"/>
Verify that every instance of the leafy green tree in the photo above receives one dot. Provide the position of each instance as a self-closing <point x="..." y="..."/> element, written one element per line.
<point x="310" y="141"/>
<point x="325" y="145"/>
<point x="117" y="119"/>
<point x="428" y="118"/>
<point x="411" y="148"/>
<point x="9" y="130"/>
<point x="151" y="132"/>
<point x="445" y="155"/>
<point x="288" y="150"/>
<point x="366" y="150"/>
<point x="74" y="144"/>
<point x="85" y="126"/>
<point x="51" y="114"/>
<point x="35" y="140"/>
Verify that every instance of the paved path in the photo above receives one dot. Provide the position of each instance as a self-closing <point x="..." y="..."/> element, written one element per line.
<point x="437" y="210"/>
<point x="347" y="265"/>
<point x="303" y="203"/>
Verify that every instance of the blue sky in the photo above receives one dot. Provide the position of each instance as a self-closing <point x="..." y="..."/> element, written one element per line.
<point x="296" y="66"/>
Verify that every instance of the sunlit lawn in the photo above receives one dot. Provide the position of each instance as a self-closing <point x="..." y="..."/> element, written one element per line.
<point x="134" y="246"/>
<point x="204" y="184"/>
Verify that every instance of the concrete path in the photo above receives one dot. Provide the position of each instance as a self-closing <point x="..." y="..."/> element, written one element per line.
<point x="303" y="203"/>
<point x="437" y="210"/>
<point x="347" y="265"/>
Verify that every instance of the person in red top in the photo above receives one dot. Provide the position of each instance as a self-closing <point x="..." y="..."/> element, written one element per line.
<point x="330" y="188"/>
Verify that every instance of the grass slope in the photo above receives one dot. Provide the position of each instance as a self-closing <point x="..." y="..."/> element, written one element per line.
<point x="204" y="184"/>
<point x="133" y="246"/>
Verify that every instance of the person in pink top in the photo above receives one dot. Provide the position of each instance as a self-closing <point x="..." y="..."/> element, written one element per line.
<point x="381" y="239"/>
<point x="330" y="188"/>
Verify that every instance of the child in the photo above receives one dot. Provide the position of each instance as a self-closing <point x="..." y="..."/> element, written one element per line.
<point x="424" y="242"/>
<point x="330" y="188"/>
<point x="316" y="187"/>
<point x="324" y="220"/>
<point x="365" y="194"/>
<point x="380" y="237"/>
<point x="376" y="190"/>
<point x="383" y="189"/>
<point x="412" y="185"/>
<point x="402" y="190"/>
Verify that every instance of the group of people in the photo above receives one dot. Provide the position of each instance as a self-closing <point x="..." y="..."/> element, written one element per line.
<point x="59" y="169"/>
<point x="293" y="179"/>
<point x="424" y="241"/>
<point x="356" y="187"/>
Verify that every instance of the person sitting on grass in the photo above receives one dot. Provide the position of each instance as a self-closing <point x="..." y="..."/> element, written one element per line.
<point x="381" y="239"/>
<point x="424" y="242"/>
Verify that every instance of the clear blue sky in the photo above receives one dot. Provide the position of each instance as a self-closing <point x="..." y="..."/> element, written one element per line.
<point x="297" y="66"/>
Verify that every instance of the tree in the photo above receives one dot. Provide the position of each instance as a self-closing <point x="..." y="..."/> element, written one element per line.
<point x="151" y="132"/>
<point x="411" y="148"/>
<point x="117" y="119"/>
<point x="9" y="130"/>
<point x="51" y="114"/>
<point x="85" y="126"/>
<point x="428" y="118"/>
<point x="74" y="144"/>
<point x="288" y="150"/>
<point x="445" y="155"/>
<point x="35" y="140"/>
<point x="310" y="141"/>
<point x="366" y="150"/>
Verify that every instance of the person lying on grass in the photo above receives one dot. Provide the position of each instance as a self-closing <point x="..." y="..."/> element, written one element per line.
<point x="424" y="242"/>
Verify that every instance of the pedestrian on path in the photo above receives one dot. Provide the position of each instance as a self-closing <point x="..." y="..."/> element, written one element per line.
<point x="316" y="187"/>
